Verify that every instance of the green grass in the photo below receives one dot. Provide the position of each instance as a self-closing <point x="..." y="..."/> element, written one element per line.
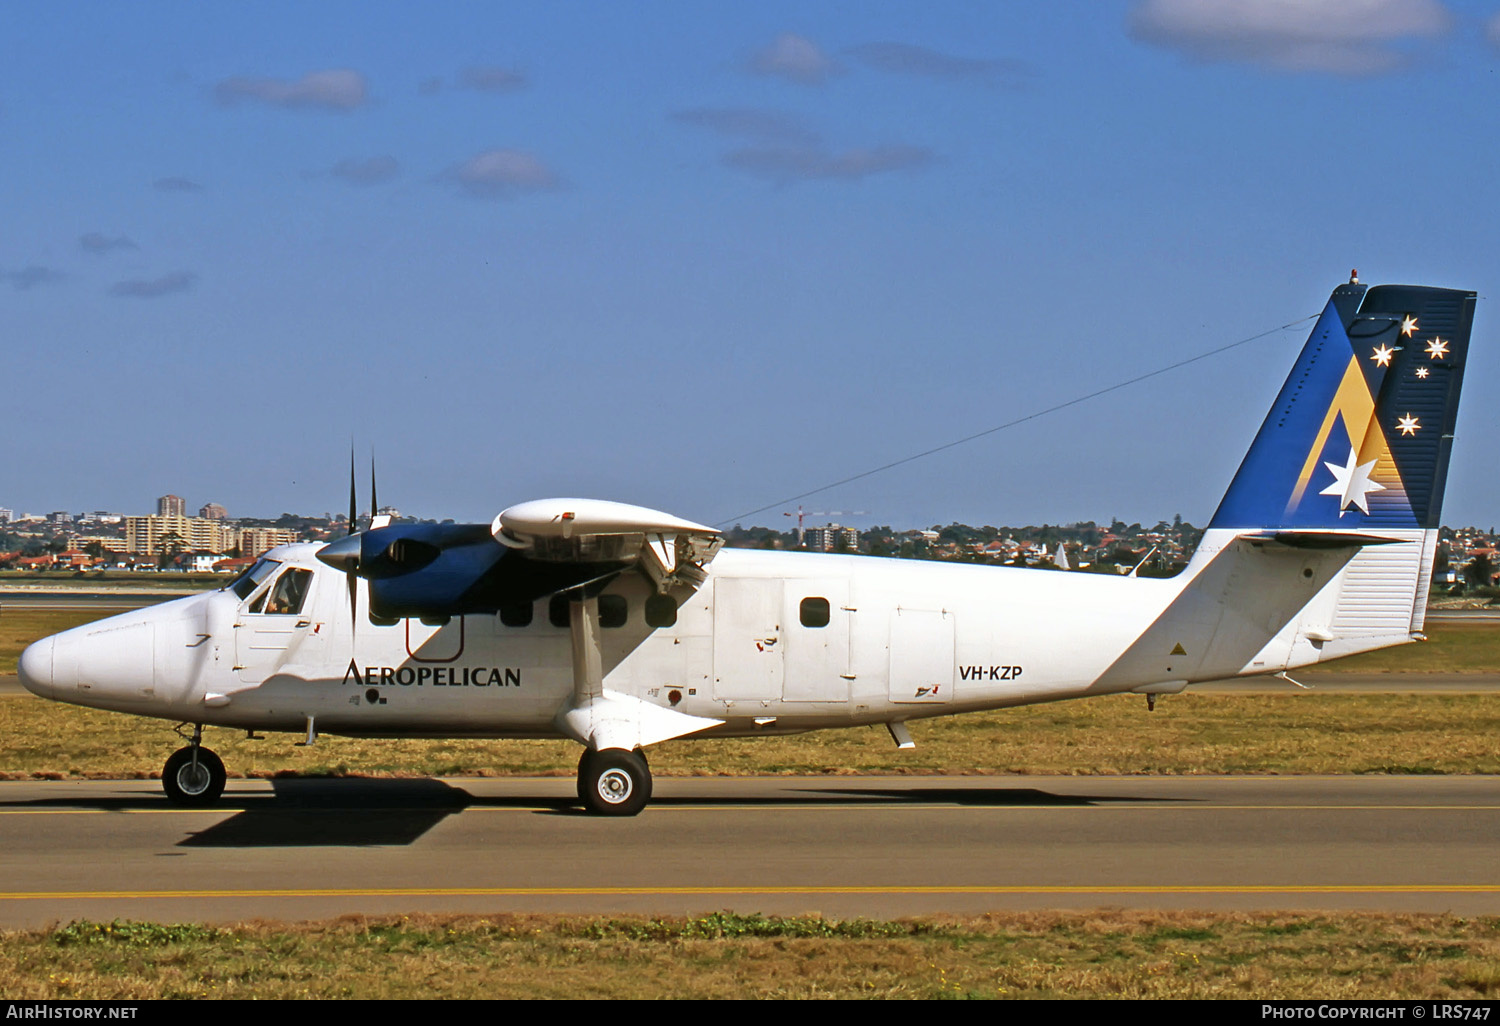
<point x="1107" y="954"/>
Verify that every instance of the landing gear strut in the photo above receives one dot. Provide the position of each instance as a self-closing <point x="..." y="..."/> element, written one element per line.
<point x="614" y="782"/>
<point x="193" y="775"/>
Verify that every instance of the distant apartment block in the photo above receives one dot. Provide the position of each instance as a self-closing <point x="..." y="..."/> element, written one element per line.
<point x="146" y="535"/>
<point x="6" y="515"/>
<point x="213" y="511"/>
<point x="108" y="543"/>
<point x="171" y="506"/>
<point x="826" y="539"/>
<point x="255" y="540"/>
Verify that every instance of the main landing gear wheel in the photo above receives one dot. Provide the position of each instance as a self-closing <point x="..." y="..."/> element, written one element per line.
<point x="193" y="782"/>
<point x="614" y="782"/>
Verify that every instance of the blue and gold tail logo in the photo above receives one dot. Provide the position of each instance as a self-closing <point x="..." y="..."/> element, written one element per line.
<point x="1361" y="432"/>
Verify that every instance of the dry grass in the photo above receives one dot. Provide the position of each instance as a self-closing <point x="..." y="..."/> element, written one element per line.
<point x="1112" y="954"/>
<point x="1297" y="732"/>
<point x="20" y="626"/>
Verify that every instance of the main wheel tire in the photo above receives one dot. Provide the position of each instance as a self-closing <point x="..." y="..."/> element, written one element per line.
<point x="614" y="782"/>
<point x="187" y="784"/>
<point x="585" y="761"/>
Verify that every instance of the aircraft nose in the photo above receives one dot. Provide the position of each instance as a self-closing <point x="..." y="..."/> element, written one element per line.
<point x="35" y="668"/>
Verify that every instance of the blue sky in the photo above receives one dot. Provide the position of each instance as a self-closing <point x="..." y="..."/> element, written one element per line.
<point x="703" y="257"/>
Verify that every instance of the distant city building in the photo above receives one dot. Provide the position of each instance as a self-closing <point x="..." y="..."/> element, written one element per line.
<point x="105" y="542"/>
<point x="153" y="535"/>
<point x="99" y="516"/>
<point x="255" y="540"/>
<point x="60" y="517"/>
<point x="5" y="516"/>
<point x="213" y="511"/>
<point x="171" y="506"/>
<point x="826" y="539"/>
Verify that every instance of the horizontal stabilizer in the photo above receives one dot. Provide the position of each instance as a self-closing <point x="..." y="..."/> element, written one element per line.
<point x="1322" y="539"/>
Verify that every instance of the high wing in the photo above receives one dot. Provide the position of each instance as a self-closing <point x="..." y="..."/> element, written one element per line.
<point x="586" y="531"/>
<point x="529" y="551"/>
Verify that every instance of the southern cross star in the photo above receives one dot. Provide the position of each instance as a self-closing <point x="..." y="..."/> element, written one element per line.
<point x="1408" y="325"/>
<point x="1437" y="349"/>
<point x="1382" y="356"/>
<point x="1408" y="425"/>
<point x="1352" y="484"/>
<point x="1421" y="372"/>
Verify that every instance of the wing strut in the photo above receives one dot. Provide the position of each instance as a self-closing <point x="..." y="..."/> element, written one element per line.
<point x="600" y="719"/>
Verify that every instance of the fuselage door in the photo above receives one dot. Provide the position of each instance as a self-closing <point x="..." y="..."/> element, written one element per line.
<point x="270" y="623"/>
<point x="816" y="638"/>
<point x="747" y="638"/>
<point x="921" y="656"/>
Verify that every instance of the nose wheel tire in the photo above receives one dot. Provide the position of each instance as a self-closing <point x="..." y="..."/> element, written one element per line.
<point x="614" y="782"/>
<point x="187" y="783"/>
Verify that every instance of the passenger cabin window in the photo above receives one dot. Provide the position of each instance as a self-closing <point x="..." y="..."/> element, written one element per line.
<point x="613" y="611"/>
<point x="516" y="614"/>
<point x="289" y="592"/>
<point x="814" y="612"/>
<point x="557" y="611"/>
<point x="661" y="611"/>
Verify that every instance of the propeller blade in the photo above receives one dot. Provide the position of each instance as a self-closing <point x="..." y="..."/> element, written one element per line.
<point x="374" y="503"/>
<point x="353" y="500"/>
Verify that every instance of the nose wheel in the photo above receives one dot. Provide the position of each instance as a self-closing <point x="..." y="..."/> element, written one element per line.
<point x="193" y="776"/>
<point x="614" y="782"/>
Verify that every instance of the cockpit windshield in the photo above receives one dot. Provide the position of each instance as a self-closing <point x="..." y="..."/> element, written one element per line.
<point x="247" y="582"/>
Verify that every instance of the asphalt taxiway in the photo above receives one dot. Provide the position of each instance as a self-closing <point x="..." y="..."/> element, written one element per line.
<point x="298" y="849"/>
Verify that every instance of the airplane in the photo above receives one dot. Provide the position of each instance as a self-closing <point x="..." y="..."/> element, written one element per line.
<point x="621" y="627"/>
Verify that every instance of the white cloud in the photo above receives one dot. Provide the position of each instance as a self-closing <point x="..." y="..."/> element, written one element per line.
<point x="150" y="288"/>
<point x="372" y="171"/>
<point x="31" y="276"/>
<point x="337" y="89"/>
<point x="503" y="173"/>
<point x="794" y="58"/>
<point x="96" y="242"/>
<point x="908" y="59"/>
<point x="748" y="123"/>
<point x="492" y="80"/>
<point x="1341" y="37"/>
<point x="810" y="163"/>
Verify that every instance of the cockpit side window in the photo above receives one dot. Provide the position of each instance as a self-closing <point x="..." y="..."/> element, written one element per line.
<point x="248" y="581"/>
<point x="289" y="592"/>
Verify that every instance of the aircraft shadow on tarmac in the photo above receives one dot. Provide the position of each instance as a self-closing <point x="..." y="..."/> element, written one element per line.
<point x="362" y="812"/>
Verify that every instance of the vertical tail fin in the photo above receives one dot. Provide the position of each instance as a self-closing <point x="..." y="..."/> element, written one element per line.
<point x="1360" y="435"/>
<point x="1323" y="546"/>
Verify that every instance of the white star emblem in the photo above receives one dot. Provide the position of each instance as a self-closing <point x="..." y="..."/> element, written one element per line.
<point x="1437" y="349"/>
<point x="1408" y="425"/>
<point x="1421" y="372"/>
<point x="1408" y="325"/>
<point x="1382" y="356"/>
<point x="1352" y="484"/>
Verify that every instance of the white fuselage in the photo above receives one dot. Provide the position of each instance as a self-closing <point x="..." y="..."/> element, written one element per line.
<point x="903" y="639"/>
<point x="771" y="642"/>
